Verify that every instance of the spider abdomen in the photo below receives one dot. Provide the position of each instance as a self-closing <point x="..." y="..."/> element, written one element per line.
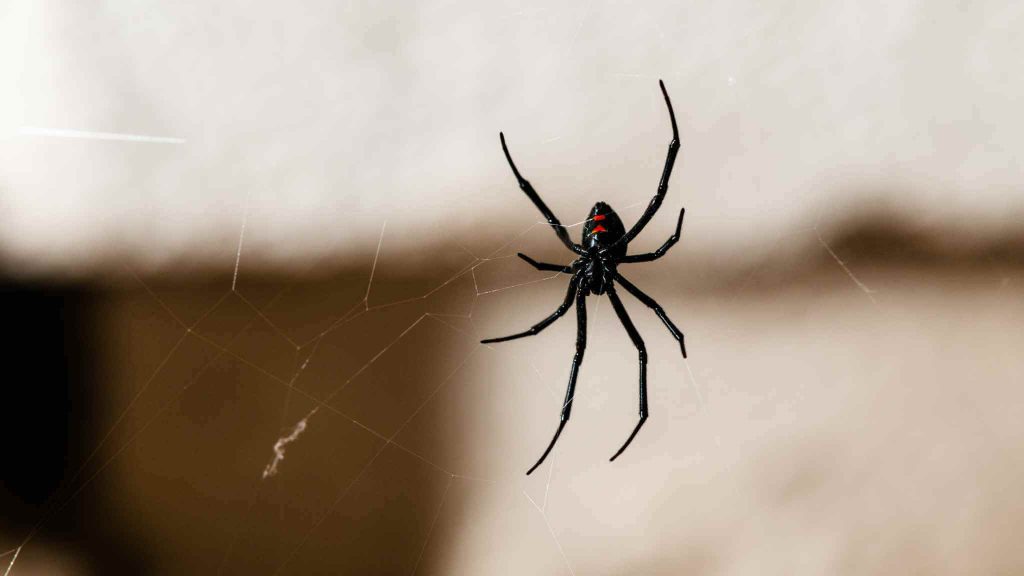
<point x="604" y="232"/>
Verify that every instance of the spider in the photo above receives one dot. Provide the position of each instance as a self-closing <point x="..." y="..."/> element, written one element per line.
<point x="605" y="240"/>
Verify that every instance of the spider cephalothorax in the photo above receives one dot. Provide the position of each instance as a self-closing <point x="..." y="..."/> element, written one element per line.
<point x="603" y="247"/>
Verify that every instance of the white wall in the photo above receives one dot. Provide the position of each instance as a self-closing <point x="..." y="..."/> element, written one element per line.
<point x="317" y="121"/>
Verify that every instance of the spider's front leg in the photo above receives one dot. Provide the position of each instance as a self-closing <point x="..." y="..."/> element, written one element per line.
<point x="577" y="359"/>
<point x="527" y="188"/>
<point x="544" y="265"/>
<point x="670" y="160"/>
<point x="650" y="256"/>
<point x="641" y="349"/>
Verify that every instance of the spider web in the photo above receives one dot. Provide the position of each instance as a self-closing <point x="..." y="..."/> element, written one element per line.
<point x="147" y="409"/>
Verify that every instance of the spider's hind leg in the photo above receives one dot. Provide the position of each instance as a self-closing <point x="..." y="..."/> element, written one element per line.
<point x="653" y="305"/>
<point x="641" y="349"/>
<point x="536" y="328"/>
<point x="577" y="359"/>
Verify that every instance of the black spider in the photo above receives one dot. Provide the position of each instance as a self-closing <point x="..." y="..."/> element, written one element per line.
<point x="604" y="245"/>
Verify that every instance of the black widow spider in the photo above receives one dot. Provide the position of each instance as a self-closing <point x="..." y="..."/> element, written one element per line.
<point x="605" y="240"/>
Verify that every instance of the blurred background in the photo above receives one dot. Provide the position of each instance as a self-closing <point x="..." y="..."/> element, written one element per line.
<point x="247" y="253"/>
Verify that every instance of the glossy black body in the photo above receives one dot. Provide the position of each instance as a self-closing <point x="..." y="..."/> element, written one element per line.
<point x="602" y="237"/>
<point x="603" y="247"/>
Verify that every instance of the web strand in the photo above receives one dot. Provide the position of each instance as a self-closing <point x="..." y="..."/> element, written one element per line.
<point x="551" y="531"/>
<point x="867" y="291"/>
<point x="14" y="558"/>
<point x="241" y="239"/>
<point x="433" y="524"/>
<point x="87" y="135"/>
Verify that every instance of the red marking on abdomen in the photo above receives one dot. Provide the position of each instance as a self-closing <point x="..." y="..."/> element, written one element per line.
<point x="598" y="229"/>
<point x="599" y="217"/>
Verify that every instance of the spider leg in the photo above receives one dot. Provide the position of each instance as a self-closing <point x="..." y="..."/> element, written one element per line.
<point x="536" y="328"/>
<point x="670" y="160"/>
<point x="653" y="305"/>
<point x="620" y="311"/>
<point x="557" y="226"/>
<point x="577" y="359"/>
<point x="545" y="265"/>
<point x="664" y="247"/>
